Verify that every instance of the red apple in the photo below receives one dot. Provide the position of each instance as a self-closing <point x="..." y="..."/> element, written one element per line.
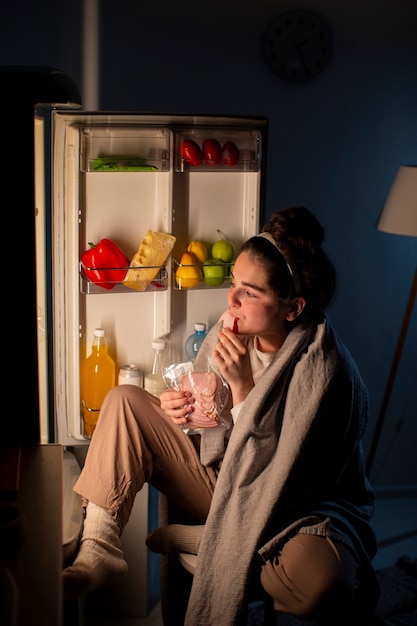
<point x="212" y="152"/>
<point x="230" y="154"/>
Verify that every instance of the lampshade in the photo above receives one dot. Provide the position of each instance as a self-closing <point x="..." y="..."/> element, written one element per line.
<point x="399" y="215"/>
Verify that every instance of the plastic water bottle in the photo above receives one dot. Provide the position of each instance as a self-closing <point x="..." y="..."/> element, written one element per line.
<point x="194" y="341"/>
<point x="98" y="377"/>
<point x="154" y="382"/>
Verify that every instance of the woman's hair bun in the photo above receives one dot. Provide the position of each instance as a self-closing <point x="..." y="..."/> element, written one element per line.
<point x="298" y="226"/>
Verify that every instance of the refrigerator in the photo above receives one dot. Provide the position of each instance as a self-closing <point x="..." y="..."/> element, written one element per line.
<point x="115" y="175"/>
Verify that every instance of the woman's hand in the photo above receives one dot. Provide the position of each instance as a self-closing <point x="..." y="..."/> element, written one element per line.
<point x="232" y="358"/>
<point x="177" y="405"/>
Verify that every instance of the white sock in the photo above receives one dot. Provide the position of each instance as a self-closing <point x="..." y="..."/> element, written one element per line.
<point x="100" y="560"/>
<point x="175" y="538"/>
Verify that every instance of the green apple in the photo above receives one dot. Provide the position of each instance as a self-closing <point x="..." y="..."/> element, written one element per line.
<point x="223" y="250"/>
<point x="213" y="271"/>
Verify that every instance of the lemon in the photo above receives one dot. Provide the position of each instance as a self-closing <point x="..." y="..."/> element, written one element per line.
<point x="188" y="274"/>
<point x="199" y="249"/>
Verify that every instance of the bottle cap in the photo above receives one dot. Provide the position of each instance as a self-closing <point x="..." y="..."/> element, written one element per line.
<point x="199" y="326"/>
<point x="99" y="332"/>
<point x="159" y="344"/>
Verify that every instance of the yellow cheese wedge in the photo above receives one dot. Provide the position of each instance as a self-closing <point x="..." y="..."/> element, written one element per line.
<point x="153" y="252"/>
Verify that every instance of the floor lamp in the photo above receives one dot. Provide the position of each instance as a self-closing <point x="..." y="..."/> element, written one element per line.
<point x="399" y="217"/>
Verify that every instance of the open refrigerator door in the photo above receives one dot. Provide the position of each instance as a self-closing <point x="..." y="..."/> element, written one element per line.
<point x="119" y="176"/>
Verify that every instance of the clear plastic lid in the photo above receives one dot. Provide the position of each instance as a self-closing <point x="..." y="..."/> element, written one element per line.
<point x="159" y="344"/>
<point x="99" y="332"/>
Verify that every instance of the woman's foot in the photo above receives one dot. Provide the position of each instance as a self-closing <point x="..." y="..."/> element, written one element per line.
<point x="175" y="538"/>
<point x="100" y="560"/>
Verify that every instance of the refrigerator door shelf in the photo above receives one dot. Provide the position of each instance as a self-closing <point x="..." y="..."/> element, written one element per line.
<point x="124" y="149"/>
<point x="213" y="149"/>
<point x="247" y="163"/>
<point x="159" y="283"/>
<point x="209" y="277"/>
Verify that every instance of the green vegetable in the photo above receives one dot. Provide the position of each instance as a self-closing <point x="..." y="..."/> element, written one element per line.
<point x="122" y="163"/>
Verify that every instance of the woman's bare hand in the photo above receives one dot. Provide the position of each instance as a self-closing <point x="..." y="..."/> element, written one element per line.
<point x="232" y="358"/>
<point x="177" y="405"/>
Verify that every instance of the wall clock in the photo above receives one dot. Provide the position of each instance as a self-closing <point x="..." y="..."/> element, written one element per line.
<point x="297" y="46"/>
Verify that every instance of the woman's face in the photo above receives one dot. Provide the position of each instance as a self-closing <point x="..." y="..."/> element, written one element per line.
<point x="256" y="306"/>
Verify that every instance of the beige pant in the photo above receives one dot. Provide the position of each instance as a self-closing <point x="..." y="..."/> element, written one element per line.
<point x="312" y="578"/>
<point x="135" y="442"/>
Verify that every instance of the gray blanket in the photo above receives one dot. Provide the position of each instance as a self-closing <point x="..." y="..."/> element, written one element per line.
<point x="277" y="471"/>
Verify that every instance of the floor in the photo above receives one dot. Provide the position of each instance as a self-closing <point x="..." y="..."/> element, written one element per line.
<point x="395" y="524"/>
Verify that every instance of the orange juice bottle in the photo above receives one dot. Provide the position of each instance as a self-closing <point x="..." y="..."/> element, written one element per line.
<point x="98" y="377"/>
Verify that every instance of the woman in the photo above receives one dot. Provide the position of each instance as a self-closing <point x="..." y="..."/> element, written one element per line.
<point x="280" y="488"/>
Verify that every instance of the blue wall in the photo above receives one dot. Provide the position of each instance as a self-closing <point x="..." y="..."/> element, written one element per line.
<point x="335" y="142"/>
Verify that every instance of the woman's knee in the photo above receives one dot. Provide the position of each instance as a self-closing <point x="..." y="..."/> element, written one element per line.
<point x="120" y="393"/>
<point x="310" y="578"/>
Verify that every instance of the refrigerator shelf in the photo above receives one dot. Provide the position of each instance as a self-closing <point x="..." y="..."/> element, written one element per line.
<point x="158" y="283"/>
<point x="214" y="149"/>
<point x="192" y="277"/>
<point x="247" y="163"/>
<point x="124" y="149"/>
<point x="125" y="164"/>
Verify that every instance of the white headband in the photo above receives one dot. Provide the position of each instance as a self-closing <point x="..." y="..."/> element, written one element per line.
<point x="292" y="267"/>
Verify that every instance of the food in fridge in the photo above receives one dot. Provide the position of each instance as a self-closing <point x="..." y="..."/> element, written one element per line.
<point x="223" y="249"/>
<point x="214" y="272"/>
<point x="199" y="249"/>
<point x="97" y="378"/>
<point x="104" y="263"/>
<point x="230" y="154"/>
<point x="122" y="163"/>
<point x="152" y="254"/>
<point x="191" y="152"/>
<point x="188" y="273"/>
<point x="212" y="152"/>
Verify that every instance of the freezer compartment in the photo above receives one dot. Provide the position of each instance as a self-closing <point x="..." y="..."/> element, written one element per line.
<point x="124" y="149"/>
<point x="217" y="149"/>
<point x="158" y="283"/>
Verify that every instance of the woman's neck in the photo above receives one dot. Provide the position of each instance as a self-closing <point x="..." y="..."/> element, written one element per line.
<point x="270" y="344"/>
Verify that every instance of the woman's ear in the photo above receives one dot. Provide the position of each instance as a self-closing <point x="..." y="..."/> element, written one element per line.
<point x="295" y="308"/>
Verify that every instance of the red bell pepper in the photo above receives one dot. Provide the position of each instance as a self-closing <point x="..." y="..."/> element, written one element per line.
<point x="101" y="263"/>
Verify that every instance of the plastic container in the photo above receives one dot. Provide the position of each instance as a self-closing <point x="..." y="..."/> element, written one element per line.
<point x="158" y="361"/>
<point x="194" y="341"/>
<point x="98" y="377"/>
